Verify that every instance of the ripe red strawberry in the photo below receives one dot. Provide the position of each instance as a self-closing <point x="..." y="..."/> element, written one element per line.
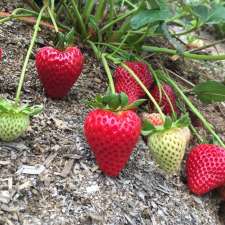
<point x="205" y="168"/>
<point x="167" y="99"/>
<point x="59" y="70"/>
<point x="112" y="137"/>
<point x="124" y="82"/>
<point x="154" y="118"/>
<point x="112" y="131"/>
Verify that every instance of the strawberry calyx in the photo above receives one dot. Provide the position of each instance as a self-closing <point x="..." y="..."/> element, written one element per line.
<point x="115" y="102"/>
<point x="7" y="106"/>
<point x="148" y="128"/>
<point x="65" y="40"/>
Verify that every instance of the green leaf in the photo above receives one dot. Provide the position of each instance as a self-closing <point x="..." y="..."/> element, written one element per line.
<point x="146" y="132"/>
<point x="123" y="99"/>
<point x="60" y="43"/>
<point x="150" y="16"/>
<point x="184" y="121"/>
<point x="213" y="15"/>
<point x="70" y="37"/>
<point x="5" y="105"/>
<point x="147" y="125"/>
<point x="147" y="128"/>
<point x="202" y="12"/>
<point x="216" y="15"/>
<point x="168" y="123"/>
<point x="136" y="104"/>
<point x="158" y="4"/>
<point x="95" y="103"/>
<point x="154" y="4"/>
<point x="33" y="110"/>
<point x="210" y="91"/>
<point x="113" y="100"/>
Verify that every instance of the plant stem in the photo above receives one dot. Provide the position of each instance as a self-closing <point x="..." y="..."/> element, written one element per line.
<point x="111" y="10"/>
<point x="185" y="54"/>
<point x="181" y="78"/>
<point x="52" y="6"/>
<point x="53" y="20"/>
<point x="130" y="4"/>
<point x="15" y="12"/>
<point x="94" y="48"/>
<point x="8" y="18"/>
<point x="69" y="13"/>
<point x="131" y="72"/>
<point x="22" y="76"/>
<point x="109" y="74"/>
<point x="100" y="10"/>
<point x="79" y="18"/>
<point x="88" y="9"/>
<point x="195" y="132"/>
<point x="32" y="4"/>
<point x="207" y="46"/>
<point x="193" y="109"/>
<point x="30" y="18"/>
<point x="117" y="20"/>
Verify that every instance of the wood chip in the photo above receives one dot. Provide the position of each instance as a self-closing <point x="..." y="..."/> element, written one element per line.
<point x="6" y="208"/>
<point x="5" y="197"/>
<point x="72" y="156"/>
<point x="67" y="168"/>
<point x="5" y="163"/>
<point x="9" y="222"/>
<point x="49" y="160"/>
<point x="33" y="170"/>
<point x="25" y="185"/>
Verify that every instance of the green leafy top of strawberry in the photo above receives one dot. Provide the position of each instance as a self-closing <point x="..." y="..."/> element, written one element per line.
<point x="149" y="128"/>
<point x="115" y="102"/>
<point x="65" y="40"/>
<point x="7" y="106"/>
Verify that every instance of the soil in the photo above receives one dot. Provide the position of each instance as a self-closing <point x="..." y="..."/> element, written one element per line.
<point x="71" y="189"/>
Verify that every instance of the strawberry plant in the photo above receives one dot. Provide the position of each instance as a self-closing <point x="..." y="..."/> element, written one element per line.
<point x="14" y="117"/>
<point x="120" y="33"/>
<point x="112" y="130"/>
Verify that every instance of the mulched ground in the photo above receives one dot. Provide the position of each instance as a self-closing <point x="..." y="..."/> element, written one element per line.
<point x="71" y="189"/>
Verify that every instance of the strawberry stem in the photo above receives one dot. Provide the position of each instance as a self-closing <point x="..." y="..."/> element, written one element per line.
<point x="119" y="18"/>
<point x="195" y="132"/>
<point x="185" y="54"/>
<point x="207" y="125"/>
<point x="131" y="72"/>
<point x="22" y="76"/>
<point x="100" y="10"/>
<point x="79" y="18"/>
<point x="53" y="19"/>
<point x="15" y="14"/>
<point x="89" y="5"/>
<point x="109" y="74"/>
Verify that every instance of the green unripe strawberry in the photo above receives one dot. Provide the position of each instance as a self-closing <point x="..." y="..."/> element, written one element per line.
<point x="13" y="125"/>
<point x="15" y="119"/>
<point x="167" y="143"/>
<point x="167" y="148"/>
